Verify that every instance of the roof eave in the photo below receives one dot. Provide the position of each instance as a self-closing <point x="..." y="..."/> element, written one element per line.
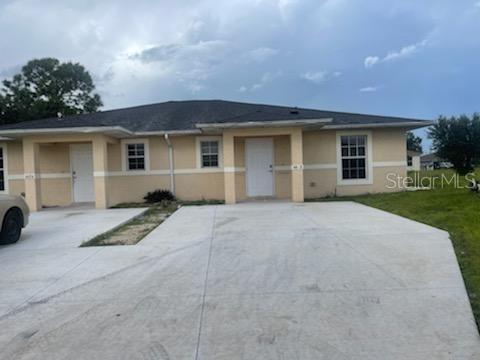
<point x="114" y="131"/>
<point x="170" y="132"/>
<point x="263" y="124"/>
<point x="401" y="124"/>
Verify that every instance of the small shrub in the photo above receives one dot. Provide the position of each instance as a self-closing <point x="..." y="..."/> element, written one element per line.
<point x="159" y="196"/>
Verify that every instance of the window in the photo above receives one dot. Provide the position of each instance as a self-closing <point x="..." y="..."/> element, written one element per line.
<point x="2" y="170"/>
<point x="209" y="153"/>
<point x="136" y="156"/>
<point x="354" y="157"/>
<point x="409" y="160"/>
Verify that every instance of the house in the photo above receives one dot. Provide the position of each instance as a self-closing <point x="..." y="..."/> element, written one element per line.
<point x="432" y="162"/>
<point x="208" y="149"/>
<point x="413" y="160"/>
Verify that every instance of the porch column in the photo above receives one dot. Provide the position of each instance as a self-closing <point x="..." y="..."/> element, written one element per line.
<point x="229" y="168"/>
<point x="31" y="152"/>
<point x="100" y="169"/>
<point x="296" y="149"/>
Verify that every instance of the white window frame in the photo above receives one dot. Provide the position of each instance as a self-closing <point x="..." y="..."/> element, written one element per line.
<point x="199" y="140"/>
<point x="409" y="159"/>
<point x="5" y="168"/>
<point x="368" y="158"/>
<point x="124" y="144"/>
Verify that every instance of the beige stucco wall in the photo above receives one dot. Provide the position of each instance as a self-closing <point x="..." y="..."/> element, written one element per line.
<point x="283" y="187"/>
<point x="389" y="145"/>
<point x="16" y="187"/>
<point x="283" y="177"/>
<point x="184" y="152"/>
<point x="189" y="186"/>
<point x="56" y="192"/>
<point x="240" y="185"/>
<point x="158" y="153"/>
<point x="15" y="167"/>
<point x="200" y="186"/>
<point x="54" y="158"/>
<point x="379" y="185"/>
<point x="320" y="183"/>
<point x="114" y="157"/>
<point x="319" y="148"/>
<point x="15" y="157"/>
<point x="134" y="188"/>
<point x="192" y="185"/>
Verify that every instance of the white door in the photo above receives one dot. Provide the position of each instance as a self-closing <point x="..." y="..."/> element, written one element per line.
<point x="259" y="166"/>
<point x="82" y="172"/>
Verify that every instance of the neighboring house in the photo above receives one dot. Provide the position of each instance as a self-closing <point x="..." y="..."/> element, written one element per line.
<point x="208" y="149"/>
<point x="413" y="160"/>
<point x="432" y="162"/>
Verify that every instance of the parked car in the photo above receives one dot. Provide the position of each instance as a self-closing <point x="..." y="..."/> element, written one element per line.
<point x="14" y="213"/>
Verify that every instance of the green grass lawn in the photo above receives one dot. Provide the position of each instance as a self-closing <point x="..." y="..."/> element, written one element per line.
<point x="454" y="210"/>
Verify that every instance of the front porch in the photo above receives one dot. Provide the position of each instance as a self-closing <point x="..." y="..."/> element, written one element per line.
<point x="249" y="168"/>
<point x="54" y="166"/>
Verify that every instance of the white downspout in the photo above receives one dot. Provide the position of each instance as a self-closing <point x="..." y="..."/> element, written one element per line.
<point x="170" y="162"/>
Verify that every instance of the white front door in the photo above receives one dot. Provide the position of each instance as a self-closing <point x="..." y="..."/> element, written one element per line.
<point x="82" y="172"/>
<point x="259" y="166"/>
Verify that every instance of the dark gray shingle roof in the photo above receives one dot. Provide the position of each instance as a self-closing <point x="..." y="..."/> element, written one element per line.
<point x="429" y="158"/>
<point x="183" y="115"/>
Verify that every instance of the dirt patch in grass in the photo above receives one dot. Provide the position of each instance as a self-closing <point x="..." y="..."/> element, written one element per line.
<point x="179" y="202"/>
<point x="135" y="229"/>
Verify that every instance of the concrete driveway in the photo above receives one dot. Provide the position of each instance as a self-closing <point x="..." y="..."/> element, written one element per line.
<point x="48" y="251"/>
<point x="257" y="281"/>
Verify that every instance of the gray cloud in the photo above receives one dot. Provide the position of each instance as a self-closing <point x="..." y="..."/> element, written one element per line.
<point x="260" y="54"/>
<point x="274" y="51"/>
<point x="319" y="77"/>
<point x="202" y="50"/>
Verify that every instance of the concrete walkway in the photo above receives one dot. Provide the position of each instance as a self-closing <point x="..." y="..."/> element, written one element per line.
<point x="257" y="281"/>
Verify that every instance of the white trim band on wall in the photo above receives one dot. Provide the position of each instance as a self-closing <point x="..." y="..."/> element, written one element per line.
<point x="389" y="163"/>
<point x="229" y="169"/>
<point x="39" y="176"/>
<point x="237" y="169"/>
<point x="320" y="167"/>
<point x="55" y="176"/>
<point x="16" y="177"/>
<point x="160" y="172"/>
<point x="282" y="167"/>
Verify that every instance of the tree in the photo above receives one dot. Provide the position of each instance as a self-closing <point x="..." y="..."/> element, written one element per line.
<point x="46" y="87"/>
<point x="414" y="143"/>
<point x="457" y="140"/>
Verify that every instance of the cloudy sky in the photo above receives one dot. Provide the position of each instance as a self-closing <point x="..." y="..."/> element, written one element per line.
<point x="400" y="57"/>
